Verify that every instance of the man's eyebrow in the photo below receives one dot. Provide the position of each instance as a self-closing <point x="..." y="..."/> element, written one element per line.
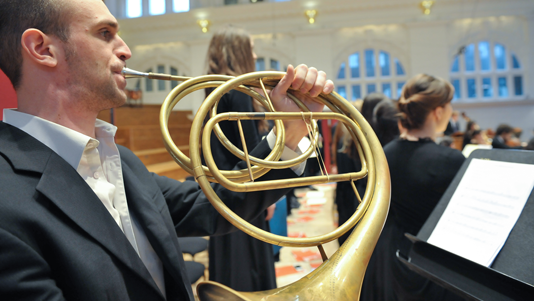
<point x="112" y="24"/>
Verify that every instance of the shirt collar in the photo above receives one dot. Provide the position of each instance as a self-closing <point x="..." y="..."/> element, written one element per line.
<point x="67" y="143"/>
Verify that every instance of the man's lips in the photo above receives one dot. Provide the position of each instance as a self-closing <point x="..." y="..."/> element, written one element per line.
<point x="117" y="68"/>
<point x="119" y="72"/>
<point x="122" y="81"/>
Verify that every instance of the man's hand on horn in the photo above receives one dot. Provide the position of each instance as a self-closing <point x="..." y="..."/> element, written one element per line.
<point x="308" y="83"/>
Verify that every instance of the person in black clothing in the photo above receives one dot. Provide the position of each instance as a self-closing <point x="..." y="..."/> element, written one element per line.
<point x="420" y="171"/>
<point x="381" y="113"/>
<point x="454" y="125"/>
<point x="468" y="134"/>
<point x="503" y="134"/>
<point x="385" y="121"/>
<point x="238" y="260"/>
<point x="346" y="201"/>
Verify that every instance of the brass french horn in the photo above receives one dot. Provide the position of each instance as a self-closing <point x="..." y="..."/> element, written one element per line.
<point x="339" y="277"/>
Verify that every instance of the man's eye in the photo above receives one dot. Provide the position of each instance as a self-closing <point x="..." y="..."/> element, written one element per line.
<point x="106" y="34"/>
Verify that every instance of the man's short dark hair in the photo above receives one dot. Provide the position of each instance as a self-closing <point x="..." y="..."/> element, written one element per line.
<point x="503" y="129"/>
<point x="18" y="15"/>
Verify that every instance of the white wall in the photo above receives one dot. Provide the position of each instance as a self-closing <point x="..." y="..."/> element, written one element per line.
<point x="517" y="114"/>
<point x="427" y="42"/>
<point x="422" y="43"/>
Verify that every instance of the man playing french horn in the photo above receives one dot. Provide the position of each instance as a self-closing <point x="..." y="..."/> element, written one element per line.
<point x="80" y="217"/>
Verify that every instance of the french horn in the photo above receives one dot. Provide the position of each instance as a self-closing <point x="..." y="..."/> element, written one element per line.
<point x="339" y="277"/>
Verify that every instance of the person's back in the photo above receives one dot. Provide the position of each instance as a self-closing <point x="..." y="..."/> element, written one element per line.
<point x="380" y="113"/>
<point x="420" y="173"/>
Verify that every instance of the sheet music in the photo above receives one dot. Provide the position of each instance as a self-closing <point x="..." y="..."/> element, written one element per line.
<point x="469" y="148"/>
<point x="484" y="209"/>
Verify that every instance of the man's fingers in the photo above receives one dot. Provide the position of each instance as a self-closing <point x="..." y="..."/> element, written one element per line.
<point x="285" y="82"/>
<point x="328" y="87"/>
<point x="309" y="81"/>
<point x="300" y="76"/>
<point x="319" y="84"/>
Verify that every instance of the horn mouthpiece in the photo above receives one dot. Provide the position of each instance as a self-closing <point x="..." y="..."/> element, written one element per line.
<point x="130" y="73"/>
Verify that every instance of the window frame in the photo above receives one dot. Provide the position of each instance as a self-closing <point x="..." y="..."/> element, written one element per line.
<point x="378" y="79"/>
<point x="268" y="60"/>
<point x="145" y="8"/>
<point x="167" y="68"/>
<point x="509" y="72"/>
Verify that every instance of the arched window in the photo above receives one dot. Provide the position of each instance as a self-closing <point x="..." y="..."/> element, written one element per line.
<point x="370" y="71"/>
<point x="139" y="8"/>
<point x="486" y="71"/>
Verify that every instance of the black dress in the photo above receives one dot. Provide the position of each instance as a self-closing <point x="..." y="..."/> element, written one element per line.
<point x="238" y="260"/>
<point x="420" y="171"/>
<point x="346" y="200"/>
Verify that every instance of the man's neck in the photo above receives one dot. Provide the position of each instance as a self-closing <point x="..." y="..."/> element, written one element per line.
<point x="58" y="110"/>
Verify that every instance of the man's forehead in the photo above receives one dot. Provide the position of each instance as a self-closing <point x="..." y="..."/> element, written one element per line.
<point x="94" y="11"/>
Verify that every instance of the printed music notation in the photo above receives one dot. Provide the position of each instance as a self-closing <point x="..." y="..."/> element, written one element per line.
<point x="484" y="209"/>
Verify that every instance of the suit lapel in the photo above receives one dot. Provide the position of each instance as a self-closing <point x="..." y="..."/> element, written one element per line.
<point x="64" y="187"/>
<point x="160" y="234"/>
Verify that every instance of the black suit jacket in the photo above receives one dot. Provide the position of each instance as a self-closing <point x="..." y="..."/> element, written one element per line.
<point x="58" y="241"/>
<point x="452" y="127"/>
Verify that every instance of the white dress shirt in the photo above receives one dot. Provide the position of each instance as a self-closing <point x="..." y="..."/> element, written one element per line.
<point x="98" y="162"/>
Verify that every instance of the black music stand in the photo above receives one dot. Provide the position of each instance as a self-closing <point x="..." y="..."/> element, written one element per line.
<point x="511" y="275"/>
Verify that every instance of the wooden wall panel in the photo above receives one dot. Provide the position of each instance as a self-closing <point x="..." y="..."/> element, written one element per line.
<point x="139" y="130"/>
<point x="138" y="127"/>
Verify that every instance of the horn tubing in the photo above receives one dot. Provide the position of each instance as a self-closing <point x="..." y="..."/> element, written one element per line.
<point x="341" y="276"/>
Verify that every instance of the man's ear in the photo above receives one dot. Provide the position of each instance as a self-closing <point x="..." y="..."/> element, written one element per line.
<point x="39" y="47"/>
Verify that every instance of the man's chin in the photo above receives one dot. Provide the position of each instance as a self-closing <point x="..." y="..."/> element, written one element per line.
<point x="117" y="101"/>
<point x="120" y="101"/>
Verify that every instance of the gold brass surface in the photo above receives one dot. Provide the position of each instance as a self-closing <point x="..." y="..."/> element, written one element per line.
<point x="339" y="277"/>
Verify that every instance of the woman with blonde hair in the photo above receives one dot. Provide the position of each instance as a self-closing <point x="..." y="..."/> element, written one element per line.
<point x="420" y="171"/>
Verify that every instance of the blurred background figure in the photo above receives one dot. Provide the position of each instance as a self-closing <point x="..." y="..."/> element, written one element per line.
<point x="479" y="137"/>
<point x="504" y="138"/>
<point x="385" y="121"/>
<point x="337" y="137"/>
<point x="381" y="114"/>
<point x="420" y="172"/>
<point x="237" y="259"/>
<point x="479" y="140"/>
<point x="446" y="141"/>
<point x="454" y="124"/>
<point x="470" y="128"/>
